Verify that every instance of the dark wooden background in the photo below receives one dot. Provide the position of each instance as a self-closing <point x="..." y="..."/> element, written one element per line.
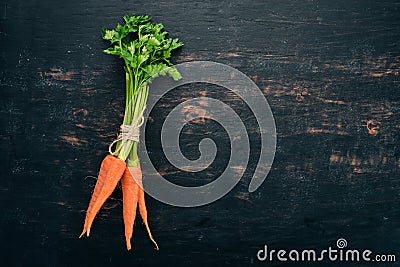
<point x="329" y="69"/>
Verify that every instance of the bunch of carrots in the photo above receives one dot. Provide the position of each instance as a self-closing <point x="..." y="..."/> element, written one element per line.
<point x="146" y="50"/>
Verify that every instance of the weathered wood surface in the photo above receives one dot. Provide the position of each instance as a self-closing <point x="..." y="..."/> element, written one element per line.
<point x="329" y="69"/>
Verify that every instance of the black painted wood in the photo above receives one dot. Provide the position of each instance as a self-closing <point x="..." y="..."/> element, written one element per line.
<point x="329" y="69"/>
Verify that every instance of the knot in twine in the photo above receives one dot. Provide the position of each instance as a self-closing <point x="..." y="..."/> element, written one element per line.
<point x="128" y="132"/>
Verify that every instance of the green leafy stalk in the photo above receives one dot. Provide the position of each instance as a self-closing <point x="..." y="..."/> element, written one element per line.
<point x="146" y="50"/>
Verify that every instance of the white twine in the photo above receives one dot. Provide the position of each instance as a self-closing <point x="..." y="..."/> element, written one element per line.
<point x="128" y="132"/>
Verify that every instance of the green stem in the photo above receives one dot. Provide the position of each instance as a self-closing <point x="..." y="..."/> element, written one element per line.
<point x="139" y="106"/>
<point x="134" y="106"/>
<point x="128" y="81"/>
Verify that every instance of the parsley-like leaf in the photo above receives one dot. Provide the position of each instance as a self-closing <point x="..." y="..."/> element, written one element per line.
<point x="144" y="46"/>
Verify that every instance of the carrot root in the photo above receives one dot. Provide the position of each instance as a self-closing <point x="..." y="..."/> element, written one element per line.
<point x="130" y="194"/>
<point x="111" y="171"/>
<point x="133" y="194"/>
<point x="150" y="235"/>
<point x="143" y="211"/>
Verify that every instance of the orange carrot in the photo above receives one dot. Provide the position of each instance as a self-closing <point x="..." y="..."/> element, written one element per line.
<point x="143" y="210"/>
<point x="110" y="173"/>
<point x="133" y="195"/>
<point x="130" y="195"/>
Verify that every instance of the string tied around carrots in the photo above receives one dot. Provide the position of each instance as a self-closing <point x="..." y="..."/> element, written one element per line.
<point x="128" y="132"/>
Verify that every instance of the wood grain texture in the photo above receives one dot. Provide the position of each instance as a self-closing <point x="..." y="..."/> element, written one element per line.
<point x="329" y="70"/>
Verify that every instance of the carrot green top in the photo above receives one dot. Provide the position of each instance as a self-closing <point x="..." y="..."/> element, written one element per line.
<point x="145" y="49"/>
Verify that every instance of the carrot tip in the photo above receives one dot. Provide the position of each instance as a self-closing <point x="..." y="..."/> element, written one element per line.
<point x="83" y="232"/>
<point x="150" y="235"/>
<point x="128" y="244"/>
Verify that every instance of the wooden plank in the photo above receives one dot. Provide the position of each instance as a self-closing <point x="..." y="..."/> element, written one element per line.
<point x="329" y="70"/>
